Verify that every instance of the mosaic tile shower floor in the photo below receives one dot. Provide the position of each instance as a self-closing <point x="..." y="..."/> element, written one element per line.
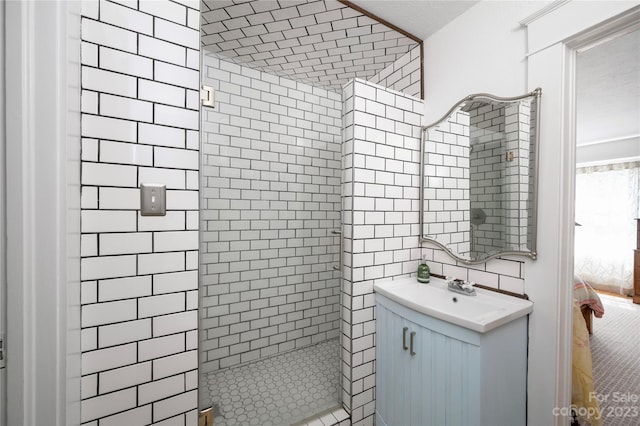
<point x="277" y="391"/>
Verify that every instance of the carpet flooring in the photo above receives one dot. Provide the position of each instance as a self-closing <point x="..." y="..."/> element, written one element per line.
<point x="615" y="349"/>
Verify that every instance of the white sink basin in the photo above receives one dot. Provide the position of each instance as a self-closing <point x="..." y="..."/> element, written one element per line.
<point x="483" y="312"/>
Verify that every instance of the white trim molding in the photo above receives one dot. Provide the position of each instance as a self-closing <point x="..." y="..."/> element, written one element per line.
<point x="552" y="66"/>
<point x="542" y="12"/>
<point x="42" y="130"/>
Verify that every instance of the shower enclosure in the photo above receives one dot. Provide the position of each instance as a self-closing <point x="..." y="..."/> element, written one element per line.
<point x="270" y="337"/>
<point x="270" y="217"/>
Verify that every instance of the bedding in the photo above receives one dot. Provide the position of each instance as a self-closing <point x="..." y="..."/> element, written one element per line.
<point x="588" y="301"/>
<point x="582" y="399"/>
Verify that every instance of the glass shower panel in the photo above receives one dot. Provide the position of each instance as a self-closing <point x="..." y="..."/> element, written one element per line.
<point x="269" y="212"/>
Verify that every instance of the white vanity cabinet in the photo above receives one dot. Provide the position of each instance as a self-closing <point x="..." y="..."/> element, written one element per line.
<point x="433" y="372"/>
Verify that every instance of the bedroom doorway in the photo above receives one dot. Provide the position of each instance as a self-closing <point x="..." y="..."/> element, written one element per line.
<point x="607" y="198"/>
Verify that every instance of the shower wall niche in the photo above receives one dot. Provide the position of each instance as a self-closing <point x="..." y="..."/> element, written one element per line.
<point x="271" y="164"/>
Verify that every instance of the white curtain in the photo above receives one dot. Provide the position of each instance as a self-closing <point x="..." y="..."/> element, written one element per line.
<point x="607" y="199"/>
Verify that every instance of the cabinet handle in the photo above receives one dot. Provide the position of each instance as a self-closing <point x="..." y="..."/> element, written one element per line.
<point x="413" y="333"/>
<point x="404" y="338"/>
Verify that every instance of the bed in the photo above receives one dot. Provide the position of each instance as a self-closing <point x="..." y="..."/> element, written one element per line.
<point x="588" y="301"/>
<point x="586" y="304"/>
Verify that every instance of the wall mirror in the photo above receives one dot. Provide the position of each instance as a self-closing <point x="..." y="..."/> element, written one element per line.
<point x="479" y="178"/>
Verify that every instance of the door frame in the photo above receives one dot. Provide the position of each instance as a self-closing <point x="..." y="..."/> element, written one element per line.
<point x="42" y="49"/>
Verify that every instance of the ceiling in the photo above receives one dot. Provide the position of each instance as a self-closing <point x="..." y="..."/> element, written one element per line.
<point x="421" y="18"/>
<point x="322" y="42"/>
<point x="608" y="90"/>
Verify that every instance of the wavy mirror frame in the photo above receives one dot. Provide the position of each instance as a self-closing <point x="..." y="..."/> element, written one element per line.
<point x="532" y="253"/>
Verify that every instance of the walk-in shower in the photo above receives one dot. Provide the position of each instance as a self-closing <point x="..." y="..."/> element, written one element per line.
<point x="271" y="205"/>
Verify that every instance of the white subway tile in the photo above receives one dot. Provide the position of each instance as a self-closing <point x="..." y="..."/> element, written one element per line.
<point x="89" y="102"/>
<point x="193" y="56"/>
<point x="192" y="259"/>
<point x="177" y="158"/>
<point x="108" y="82"/>
<point x="192" y="4"/>
<point x="88" y="292"/>
<point x="193" y="139"/>
<point x="89" y="386"/>
<point x="124" y="288"/>
<point x="182" y="200"/>
<point x="193" y="99"/>
<point x="504" y="267"/>
<point x="126" y="63"/>
<point x="88" y="245"/>
<point x="174" y="241"/>
<point x="89" y="339"/>
<point x="162" y="50"/>
<point x="161" y="93"/>
<point x="161" y="346"/>
<point x="177" y="117"/>
<point x="484" y="278"/>
<point x="125" y="153"/>
<point x="193" y="181"/>
<point x="179" y="76"/>
<point x="193" y="221"/>
<point x="152" y="134"/>
<point x="125" y="243"/>
<point x="94" y="126"/>
<point x="160" y="262"/>
<point x="173" y="221"/>
<point x="119" y="198"/>
<point x="128" y="109"/>
<point x="125" y="17"/>
<point x="108" y="312"/>
<point x="160" y="305"/>
<point x="90" y="9"/>
<point x="173" y="179"/>
<point x="107" y="267"/>
<point x="178" y="420"/>
<point x="161" y="389"/>
<point x="105" y="405"/>
<point x="176" y="281"/>
<point x="175" y="33"/>
<point x="108" y="174"/>
<point x="106" y="359"/>
<point x="192" y="340"/>
<point x="180" y="363"/>
<point x="125" y="377"/>
<point x="192" y="299"/>
<point x="175" y="405"/>
<point x="166" y="10"/>
<point x="109" y="35"/>
<point x="108" y="221"/>
<point x="126" y="332"/>
<point x="175" y="323"/>
<point x="514" y="285"/>
<point x="89" y="149"/>
<point x="137" y="416"/>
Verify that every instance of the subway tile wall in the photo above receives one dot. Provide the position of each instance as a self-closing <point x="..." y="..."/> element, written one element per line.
<point x="380" y="221"/>
<point x="404" y="75"/>
<point x="140" y="90"/>
<point x="500" y="184"/>
<point x="271" y="199"/>
<point x="447" y="173"/>
<point x="381" y="132"/>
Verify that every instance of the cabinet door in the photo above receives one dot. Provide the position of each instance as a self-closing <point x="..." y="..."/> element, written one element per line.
<point x="393" y="379"/>
<point x="444" y="380"/>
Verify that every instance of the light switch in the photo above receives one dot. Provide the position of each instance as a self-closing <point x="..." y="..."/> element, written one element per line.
<point x="153" y="199"/>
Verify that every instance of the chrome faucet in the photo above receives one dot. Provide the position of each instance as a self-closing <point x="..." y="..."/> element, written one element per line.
<point x="460" y="286"/>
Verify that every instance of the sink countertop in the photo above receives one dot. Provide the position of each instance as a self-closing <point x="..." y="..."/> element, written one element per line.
<point x="482" y="313"/>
